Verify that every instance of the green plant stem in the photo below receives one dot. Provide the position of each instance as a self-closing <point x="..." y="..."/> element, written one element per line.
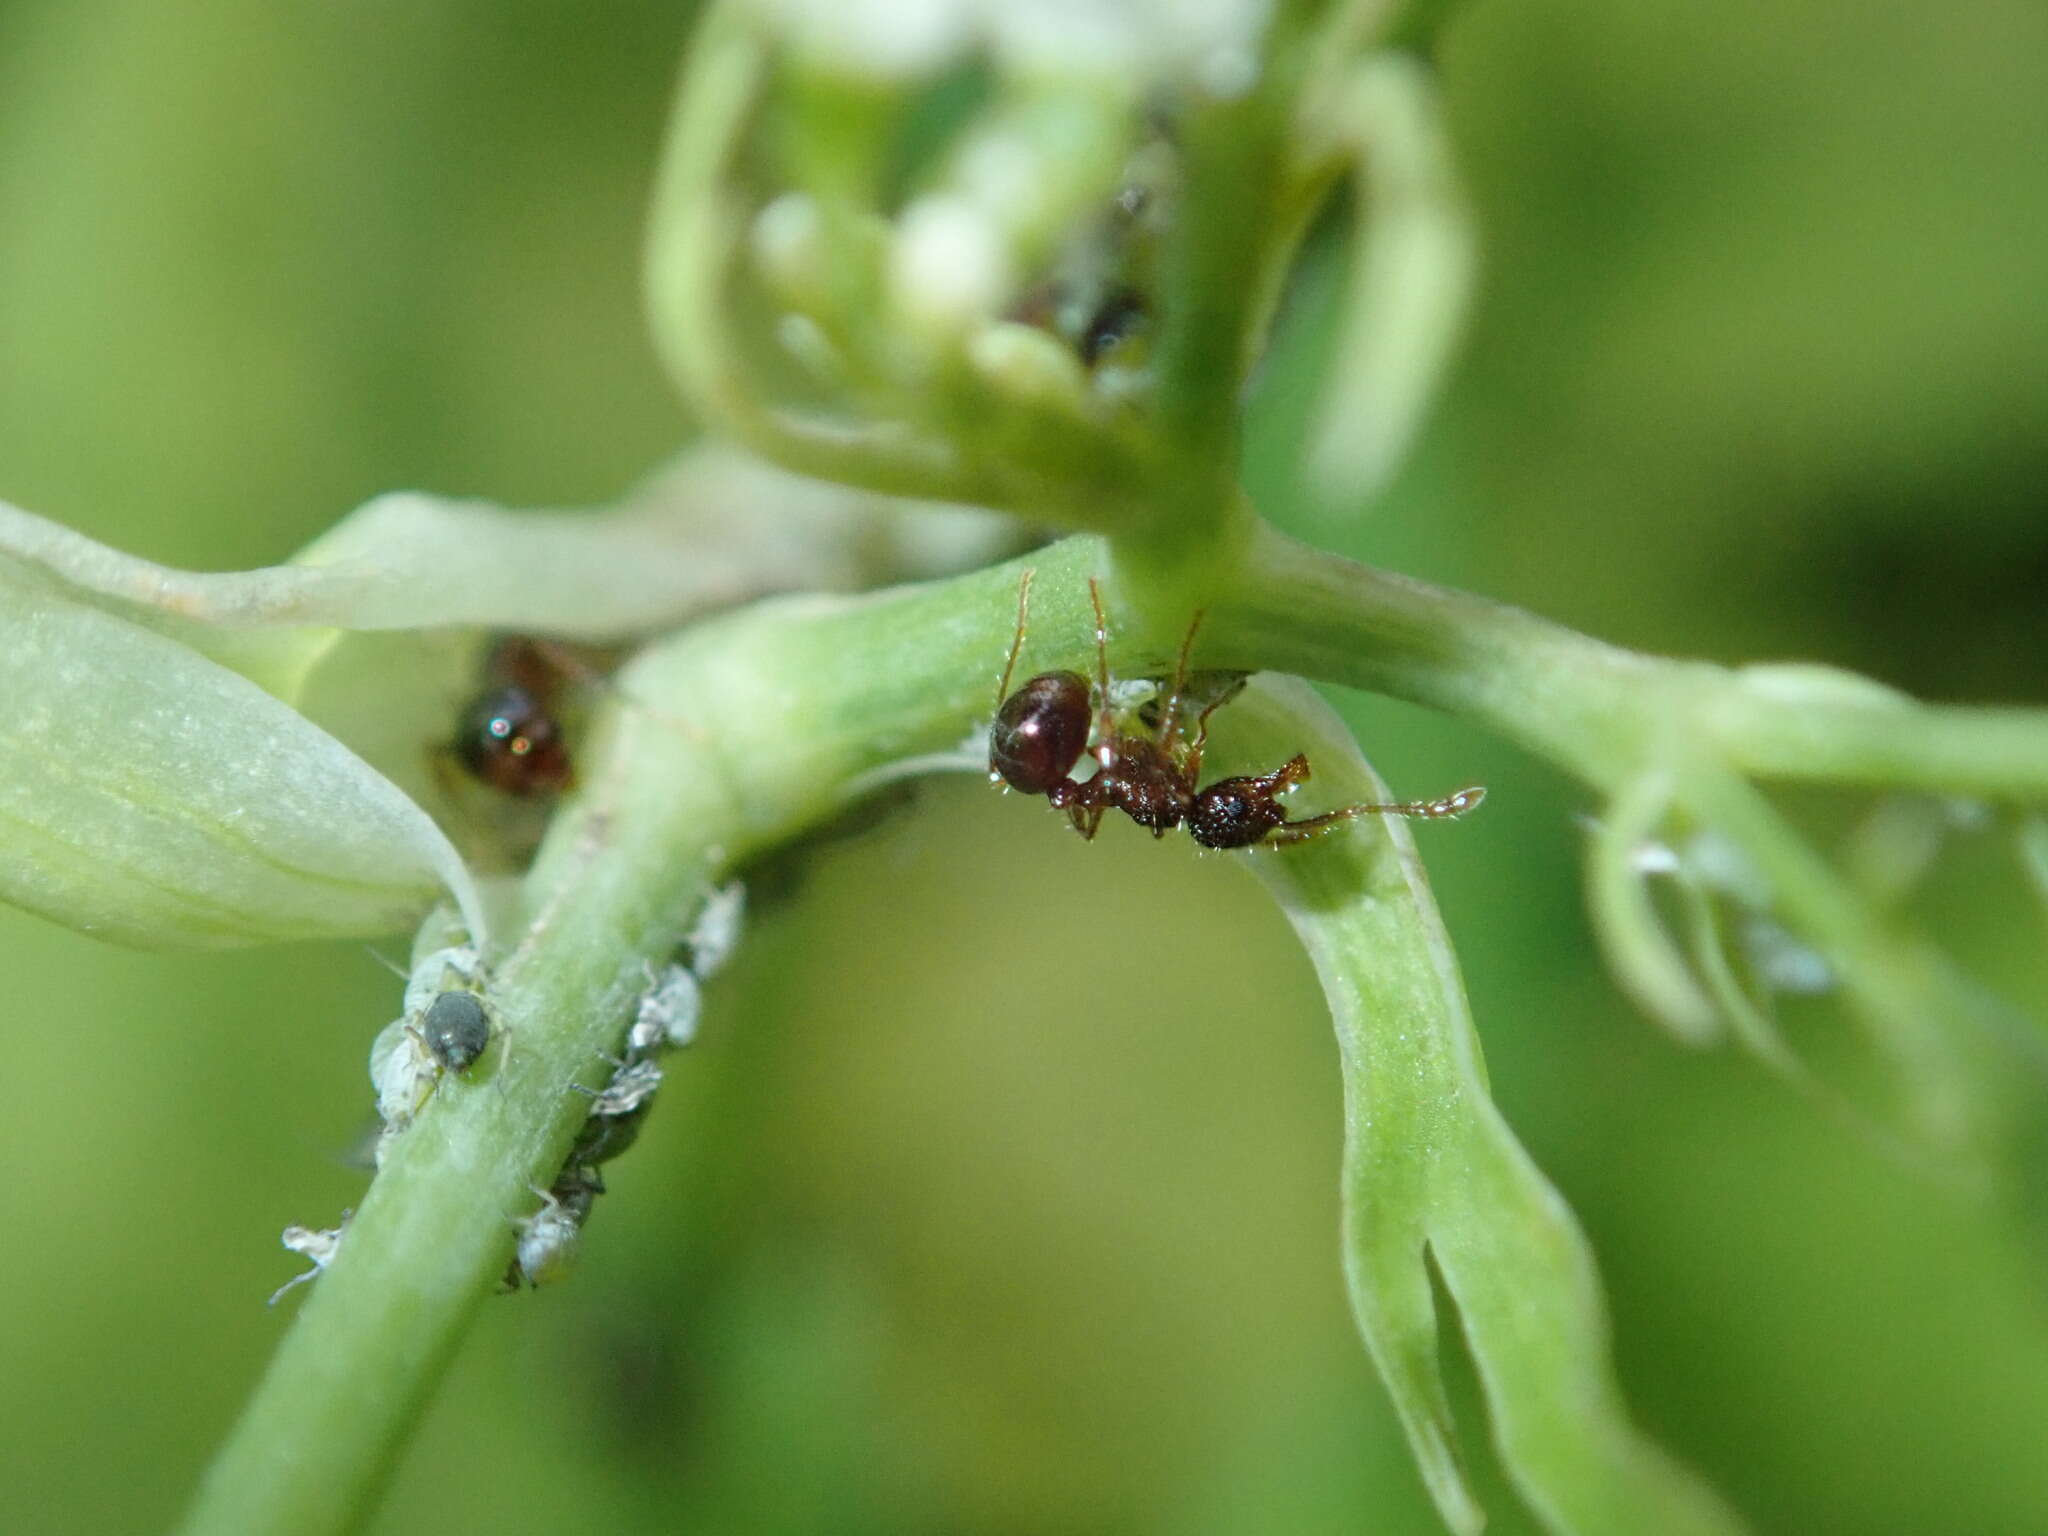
<point x="730" y="738"/>
<point x="1604" y="714"/>
<point x="1562" y="695"/>
<point x="737" y="736"/>
<point x="434" y="1235"/>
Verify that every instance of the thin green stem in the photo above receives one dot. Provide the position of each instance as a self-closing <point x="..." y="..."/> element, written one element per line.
<point x="1563" y="695"/>
<point x="433" y="1237"/>
<point x="1602" y="713"/>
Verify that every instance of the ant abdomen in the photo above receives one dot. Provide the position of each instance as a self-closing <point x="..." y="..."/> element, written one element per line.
<point x="1040" y="733"/>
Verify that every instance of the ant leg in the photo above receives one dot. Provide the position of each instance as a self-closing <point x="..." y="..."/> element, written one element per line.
<point x="1084" y="804"/>
<point x="1170" y="722"/>
<point x="1191" y="761"/>
<point x="1016" y="640"/>
<point x="1456" y="804"/>
<point x="1290" y="773"/>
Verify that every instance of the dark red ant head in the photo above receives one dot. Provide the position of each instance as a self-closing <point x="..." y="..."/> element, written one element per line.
<point x="1040" y="732"/>
<point x="1234" y="813"/>
<point x="508" y="740"/>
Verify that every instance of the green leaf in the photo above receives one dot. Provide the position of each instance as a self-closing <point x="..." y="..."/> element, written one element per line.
<point x="156" y="797"/>
<point x="711" y="529"/>
<point x="1431" y="1171"/>
<point x="152" y="796"/>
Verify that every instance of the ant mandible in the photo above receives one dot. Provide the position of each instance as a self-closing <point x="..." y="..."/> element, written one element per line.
<point x="1042" y="731"/>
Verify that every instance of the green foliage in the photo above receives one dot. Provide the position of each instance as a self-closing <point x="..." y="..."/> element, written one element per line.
<point x="883" y="266"/>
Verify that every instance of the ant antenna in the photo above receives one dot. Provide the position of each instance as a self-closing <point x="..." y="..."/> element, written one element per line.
<point x="1017" y="640"/>
<point x="1194" y="751"/>
<point x="1105" y="750"/>
<point x="1456" y="804"/>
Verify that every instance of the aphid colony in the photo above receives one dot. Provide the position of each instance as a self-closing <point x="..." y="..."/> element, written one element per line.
<point x="510" y="739"/>
<point x="664" y="1019"/>
<point x="1044" y="729"/>
<point x="447" y="1028"/>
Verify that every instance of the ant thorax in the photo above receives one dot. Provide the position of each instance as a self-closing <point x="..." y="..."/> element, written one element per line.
<point x="1147" y="752"/>
<point x="1142" y="778"/>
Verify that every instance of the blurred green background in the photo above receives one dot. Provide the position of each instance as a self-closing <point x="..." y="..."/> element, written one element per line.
<point x="1008" y="1204"/>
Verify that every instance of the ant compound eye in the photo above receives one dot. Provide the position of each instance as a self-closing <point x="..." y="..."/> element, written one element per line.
<point x="1040" y="732"/>
<point x="510" y="742"/>
<point x="1233" y="813"/>
<point x="456" y="1030"/>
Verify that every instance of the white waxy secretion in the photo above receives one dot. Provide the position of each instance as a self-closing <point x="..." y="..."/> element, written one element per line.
<point x="668" y="1011"/>
<point x="716" y="933"/>
<point x="319" y="1244"/>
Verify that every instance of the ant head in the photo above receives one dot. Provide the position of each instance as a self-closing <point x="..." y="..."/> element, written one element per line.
<point x="1234" y="813"/>
<point x="1040" y="732"/>
<point x="508" y="740"/>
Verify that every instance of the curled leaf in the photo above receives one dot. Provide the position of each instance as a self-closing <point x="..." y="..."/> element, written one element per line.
<point x="152" y="796"/>
<point x="1431" y="1170"/>
<point x="1969" y="1072"/>
<point x="1645" y="958"/>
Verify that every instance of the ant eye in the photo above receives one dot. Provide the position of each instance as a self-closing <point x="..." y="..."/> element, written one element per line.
<point x="1040" y="732"/>
<point x="511" y="743"/>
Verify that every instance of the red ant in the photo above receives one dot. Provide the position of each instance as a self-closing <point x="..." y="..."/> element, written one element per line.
<point x="1042" y="730"/>
<point x="509" y="736"/>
